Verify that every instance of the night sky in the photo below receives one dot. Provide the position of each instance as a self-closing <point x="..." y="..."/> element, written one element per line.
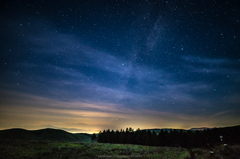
<point x="89" y="65"/>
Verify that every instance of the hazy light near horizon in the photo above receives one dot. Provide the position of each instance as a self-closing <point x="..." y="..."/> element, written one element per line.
<point x="33" y="112"/>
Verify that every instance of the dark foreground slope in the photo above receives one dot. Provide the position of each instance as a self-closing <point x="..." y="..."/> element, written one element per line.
<point x="44" y="135"/>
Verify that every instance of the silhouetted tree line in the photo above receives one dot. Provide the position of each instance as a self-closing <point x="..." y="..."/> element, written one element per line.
<point x="187" y="139"/>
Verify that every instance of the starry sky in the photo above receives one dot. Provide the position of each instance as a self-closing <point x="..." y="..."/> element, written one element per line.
<point x="85" y="66"/>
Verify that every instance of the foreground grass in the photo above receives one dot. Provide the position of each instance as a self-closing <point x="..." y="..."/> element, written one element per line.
<point x="12" y="149"/>
<point x="220" y="152"/>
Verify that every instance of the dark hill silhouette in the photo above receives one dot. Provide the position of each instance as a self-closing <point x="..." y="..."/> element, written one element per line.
<point x="44" y="134"/>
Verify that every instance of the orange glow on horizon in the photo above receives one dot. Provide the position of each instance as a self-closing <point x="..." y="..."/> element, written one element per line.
<point x="79" y="117"/>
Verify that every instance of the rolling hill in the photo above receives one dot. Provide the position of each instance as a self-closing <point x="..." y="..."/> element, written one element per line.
<point x="44" y="135"/>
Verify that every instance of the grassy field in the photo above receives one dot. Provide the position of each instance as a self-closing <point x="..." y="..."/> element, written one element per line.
<point x="11" y="149"/>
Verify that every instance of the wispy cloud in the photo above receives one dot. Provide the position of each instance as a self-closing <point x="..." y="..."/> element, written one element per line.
<point x="89" y="117"/>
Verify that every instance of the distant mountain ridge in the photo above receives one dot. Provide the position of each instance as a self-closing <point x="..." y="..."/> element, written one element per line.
<point x="157" y="130"/>
<point x="44" y="135"/>
<point x="199" y="129"/>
